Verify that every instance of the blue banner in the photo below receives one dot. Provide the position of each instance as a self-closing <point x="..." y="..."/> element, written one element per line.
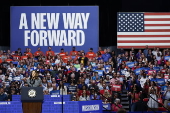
<point x="55" y="26"/>
<point x="160" y="81"/>
<point x="10" y="107"/>
<point x="100" y="72"/>
<point x="137" y="71"/>
<point x="56" y="92"/>
<point x="94" y="106"/>
<point x="106" y="106"/>
<point x="156" y="68"/>
<point x="130" y="64"/>
<point x="167" y="57"/>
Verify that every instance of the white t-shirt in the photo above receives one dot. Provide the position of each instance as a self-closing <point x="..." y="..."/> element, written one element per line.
<point x="2" y="77"/>
<point x="12" y="69"/>
<point x="84" y="98"/>
<point x="142" y="81"/>
<point x="57" y="61"/>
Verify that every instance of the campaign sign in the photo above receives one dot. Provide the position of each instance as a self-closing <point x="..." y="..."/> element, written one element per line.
<point x="55" y="26"/>
<point x="94" y="106"/>
<point x="156" y="68"/>
<point x="116" y="88"/>
<point x="100" y="72"/>
<point x="107" y="106"/>
<point x="137" y="71"/>
<point x="150" y="72"/>
<point x="130" y="64"/>
<point x="166" y="57"/>
<point x="55" y="92"/>
<point x="10" y="107"/>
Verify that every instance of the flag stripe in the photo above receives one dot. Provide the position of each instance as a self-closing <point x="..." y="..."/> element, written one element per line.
<point x="143" y="41"/>
<point x="153" y="36"/>
<point x="156" y="13"/>
<point x="157" y="27"/>
<point x="141" y="44"/>
<point x="157" y="30"/>
<point x="141" y="38"/>
<point x="156" y="16"/>
<point x="157" y="19"/>
<point x="157" y="24"/>
<point x="144" y="46"/>
<point x="143" y="33"/>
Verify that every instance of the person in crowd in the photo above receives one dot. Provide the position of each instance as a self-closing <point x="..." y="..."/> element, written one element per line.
<point x="141" y="105"/>
<point x="3" y="96"/>
<point x="116" y="106"/>
<point x="84" y="96"/>
<point x="38" y="53"/>
<point x="121" y="111"/>
<point x="167" y="96"/>
<point x="73" y="52"/>
<point x="90" y="55"/>
<point x="62" y="88"/>
<point x="153" y="97"/>
<point x="83" y="59"/>
<point x="50" y="52"/>
<point x="106" y="56"/>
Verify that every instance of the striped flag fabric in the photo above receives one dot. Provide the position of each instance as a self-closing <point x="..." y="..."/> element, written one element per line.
<point x="140" y="29"/>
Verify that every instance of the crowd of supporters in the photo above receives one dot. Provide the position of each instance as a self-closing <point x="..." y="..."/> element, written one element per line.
<point x="90" y="76"/>
<point x="147" y="77"/>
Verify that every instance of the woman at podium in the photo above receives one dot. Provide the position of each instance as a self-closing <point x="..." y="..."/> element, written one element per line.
<point x="34" y="80"/>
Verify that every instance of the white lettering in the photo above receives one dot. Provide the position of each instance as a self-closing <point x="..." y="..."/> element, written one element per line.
<point x="85" y="19"/>
<point x="78" y="21"/>
<point x="43" y="38"/>
<point x="35" y="21"/>
<point x="36" y="42"/>
<point x="26" y="37"/>
<point x="42" y="20"/>
<point x="63" y="38"/>
<point x="80" y="35"/>
<point x="71" y="38"/>
<point x="68" y="19"/>
<point x="53" y="38"/>
<point x="53" y="19"/>
<point x="23" y="21"/>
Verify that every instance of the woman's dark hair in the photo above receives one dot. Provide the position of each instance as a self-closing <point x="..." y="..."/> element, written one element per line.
<point x="61" y="86"/>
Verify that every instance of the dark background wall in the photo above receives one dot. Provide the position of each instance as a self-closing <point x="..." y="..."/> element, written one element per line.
<point x="107" y="14"/>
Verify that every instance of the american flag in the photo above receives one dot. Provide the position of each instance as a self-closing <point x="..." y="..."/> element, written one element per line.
<point x="140" y="29"/>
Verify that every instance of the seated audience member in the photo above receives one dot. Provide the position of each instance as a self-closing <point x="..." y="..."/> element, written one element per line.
<point x="84" y="96"/>
<point x="84" y="87"/>
<point x="3" y="96"/>
<point x="116" y="106"/>
<point x="141" y="105"/>
<point x="106" y="97"/>
<point x="94" y="95"/>
<point x="62" y="88"/>
<point x="121" y="111"/>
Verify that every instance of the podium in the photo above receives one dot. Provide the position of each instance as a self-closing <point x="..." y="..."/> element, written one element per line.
<point x="32" y="98"/>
